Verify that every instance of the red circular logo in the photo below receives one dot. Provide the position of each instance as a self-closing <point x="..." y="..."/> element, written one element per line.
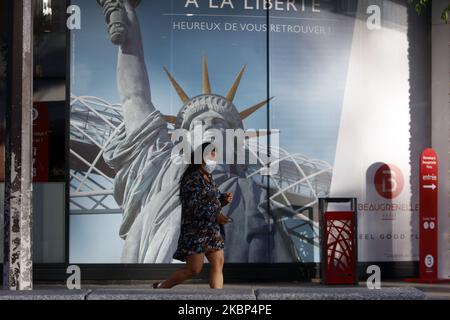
<point x="389" y="181"/>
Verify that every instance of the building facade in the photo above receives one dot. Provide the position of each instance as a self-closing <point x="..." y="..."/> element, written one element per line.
<point x="342" y="97"/>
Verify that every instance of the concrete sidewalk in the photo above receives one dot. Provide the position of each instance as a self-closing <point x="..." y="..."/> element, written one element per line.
<point x="276" y="291"/>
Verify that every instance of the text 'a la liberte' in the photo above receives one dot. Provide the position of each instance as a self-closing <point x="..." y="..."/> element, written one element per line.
<point x="277" y="5"/>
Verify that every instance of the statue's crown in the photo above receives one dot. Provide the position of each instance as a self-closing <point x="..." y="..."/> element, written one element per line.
<point x="223" y="105"/>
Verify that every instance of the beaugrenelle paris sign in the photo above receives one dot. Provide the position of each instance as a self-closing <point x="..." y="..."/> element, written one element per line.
<point x="337" y="135"/>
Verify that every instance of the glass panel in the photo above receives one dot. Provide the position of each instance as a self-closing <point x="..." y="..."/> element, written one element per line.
<point x="48" y="222"/>
<point x="145" y="208"/>
<point x="349" y="97"/>
<point x="49" y="131"/>
<point x="2" y="203"/>
<point x="5" y="47"/>
<point x="309" y="49"/>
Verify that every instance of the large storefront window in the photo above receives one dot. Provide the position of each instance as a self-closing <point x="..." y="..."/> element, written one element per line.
<point x="342" y="119"/>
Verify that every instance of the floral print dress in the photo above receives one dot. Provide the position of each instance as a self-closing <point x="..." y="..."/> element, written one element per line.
<point x="201" y="203"/>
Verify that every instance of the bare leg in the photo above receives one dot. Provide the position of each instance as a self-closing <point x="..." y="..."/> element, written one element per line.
<point x="216" y="260"/>
<point x="193" y="267"/>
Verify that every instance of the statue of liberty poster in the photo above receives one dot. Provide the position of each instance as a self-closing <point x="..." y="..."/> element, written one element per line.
<point x="143" y="70"/>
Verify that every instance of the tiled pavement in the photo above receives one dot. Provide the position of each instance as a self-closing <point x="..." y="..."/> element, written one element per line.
<point x="275" y="291"/>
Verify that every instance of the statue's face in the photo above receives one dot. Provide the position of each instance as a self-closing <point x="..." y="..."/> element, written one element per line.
<point x="210" y="120"/>
<point x="116" y="19"/>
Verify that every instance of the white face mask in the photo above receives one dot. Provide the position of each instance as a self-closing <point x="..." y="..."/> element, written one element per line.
<point x="210" y="165"/>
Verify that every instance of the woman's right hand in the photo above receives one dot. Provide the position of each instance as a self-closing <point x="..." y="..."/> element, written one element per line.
<point x="221" y="219"/>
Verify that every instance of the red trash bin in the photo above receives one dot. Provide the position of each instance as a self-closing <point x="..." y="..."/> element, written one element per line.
<point x="338" y="238"/>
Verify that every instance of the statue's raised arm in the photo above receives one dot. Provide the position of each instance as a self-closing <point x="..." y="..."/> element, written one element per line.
<point x="132" y="78"/>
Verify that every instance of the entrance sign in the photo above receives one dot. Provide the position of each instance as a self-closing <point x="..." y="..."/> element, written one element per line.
<point x="428" y="243"/>
<point x="428" y="215"/>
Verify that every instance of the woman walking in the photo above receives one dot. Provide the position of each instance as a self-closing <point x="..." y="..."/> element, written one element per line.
<point x="202" y="221"/>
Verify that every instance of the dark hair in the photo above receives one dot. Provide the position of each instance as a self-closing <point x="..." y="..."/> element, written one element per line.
<point x="195" y="166"/>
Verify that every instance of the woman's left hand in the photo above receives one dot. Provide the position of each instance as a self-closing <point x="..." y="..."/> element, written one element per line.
<point x="228" y="197"/>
